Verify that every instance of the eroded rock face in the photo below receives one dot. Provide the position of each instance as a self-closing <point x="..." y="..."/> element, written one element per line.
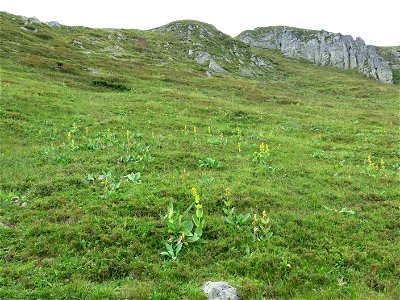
<point x="322" y="48"/>
<point x="391" y="55"/>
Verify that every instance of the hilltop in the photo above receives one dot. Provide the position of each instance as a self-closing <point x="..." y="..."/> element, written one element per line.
<point x="132" y="167"/>
<point x="223" y="54"/>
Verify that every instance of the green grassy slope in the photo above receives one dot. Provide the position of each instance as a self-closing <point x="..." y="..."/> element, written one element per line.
<point x="64" y="116"/>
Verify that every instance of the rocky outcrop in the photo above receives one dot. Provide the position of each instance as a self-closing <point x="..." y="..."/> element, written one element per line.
<point x="54" y="24"/>
<point x="391" y="55"/>
<point x="322" y="48"/>
<point x="210" y="47"/>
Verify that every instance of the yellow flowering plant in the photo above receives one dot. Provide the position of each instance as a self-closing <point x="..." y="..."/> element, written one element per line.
<point x="262" y="155"/>
<point x="182" y="228"/>
<point x="373" y="167"/>
<point x="231" y="216"/>
<point x="261" y="227"/>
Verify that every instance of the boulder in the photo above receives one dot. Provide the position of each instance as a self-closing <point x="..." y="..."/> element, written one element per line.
<point x="258" y="61"/>
<point x="202" y="57"/>
<point x="220" y="291"/>
<point x="216" y="67"/>
<point x="54" y="24"/>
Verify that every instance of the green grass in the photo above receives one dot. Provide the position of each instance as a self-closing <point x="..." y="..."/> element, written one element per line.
<point x="73" y="240"/>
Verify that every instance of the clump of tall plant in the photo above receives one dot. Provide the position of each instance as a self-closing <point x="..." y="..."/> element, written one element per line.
<point x="241" y="221"/>
<point x="231" y="215"/>
<point x="261" y="227"/>
<point x="375" y="168"/>
<point x="261" y="157"/>
<point x="183" y="228"/>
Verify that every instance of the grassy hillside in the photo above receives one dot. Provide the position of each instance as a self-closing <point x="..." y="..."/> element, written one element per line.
<point x="81" y="118"/>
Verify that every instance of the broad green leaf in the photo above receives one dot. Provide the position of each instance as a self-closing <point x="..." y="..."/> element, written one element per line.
<point x="169" y="248"/>
<point x="178" y="249"/>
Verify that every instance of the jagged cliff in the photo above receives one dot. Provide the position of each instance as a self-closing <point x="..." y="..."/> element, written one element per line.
<point x="322" y="48"/>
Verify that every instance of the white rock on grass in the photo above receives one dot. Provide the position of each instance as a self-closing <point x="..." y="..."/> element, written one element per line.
<point x="220" y="291"/>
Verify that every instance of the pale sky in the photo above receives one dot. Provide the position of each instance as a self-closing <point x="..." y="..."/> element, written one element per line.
<point x="377" y="22"/>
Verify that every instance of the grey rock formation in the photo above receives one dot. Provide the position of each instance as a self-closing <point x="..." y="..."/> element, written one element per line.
<point x="392" y="55"/>
<point x="18" y="201"/>
<point x="223" y="55"/>
<point x="258" y="61"/>
<point x="119" y="37"/>
<point x="202" y="57"/>
<point x="220" y="291"/>
<point x="322" y="48"/>
<point x="78" y="44"/>
<point x="32" y="20"/>
<point x="54" y="24"/>
<point x="246" y="72"/>
<point x="216" y="67"/>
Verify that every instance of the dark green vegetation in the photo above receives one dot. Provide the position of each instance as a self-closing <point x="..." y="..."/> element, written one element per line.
<point x="91" y="228"/>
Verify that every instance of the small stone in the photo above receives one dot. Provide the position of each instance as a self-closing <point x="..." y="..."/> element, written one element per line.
<point x="220" y="291"/>
<point x="94" y="70"/>
<point x="16" y="200"/>
<point x="258" y="61"/>
<point x="226" y="58"/>
<point x="121" y="38"/>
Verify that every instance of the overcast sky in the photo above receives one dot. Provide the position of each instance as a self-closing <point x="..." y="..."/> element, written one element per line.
<point x="377" y="22"/>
